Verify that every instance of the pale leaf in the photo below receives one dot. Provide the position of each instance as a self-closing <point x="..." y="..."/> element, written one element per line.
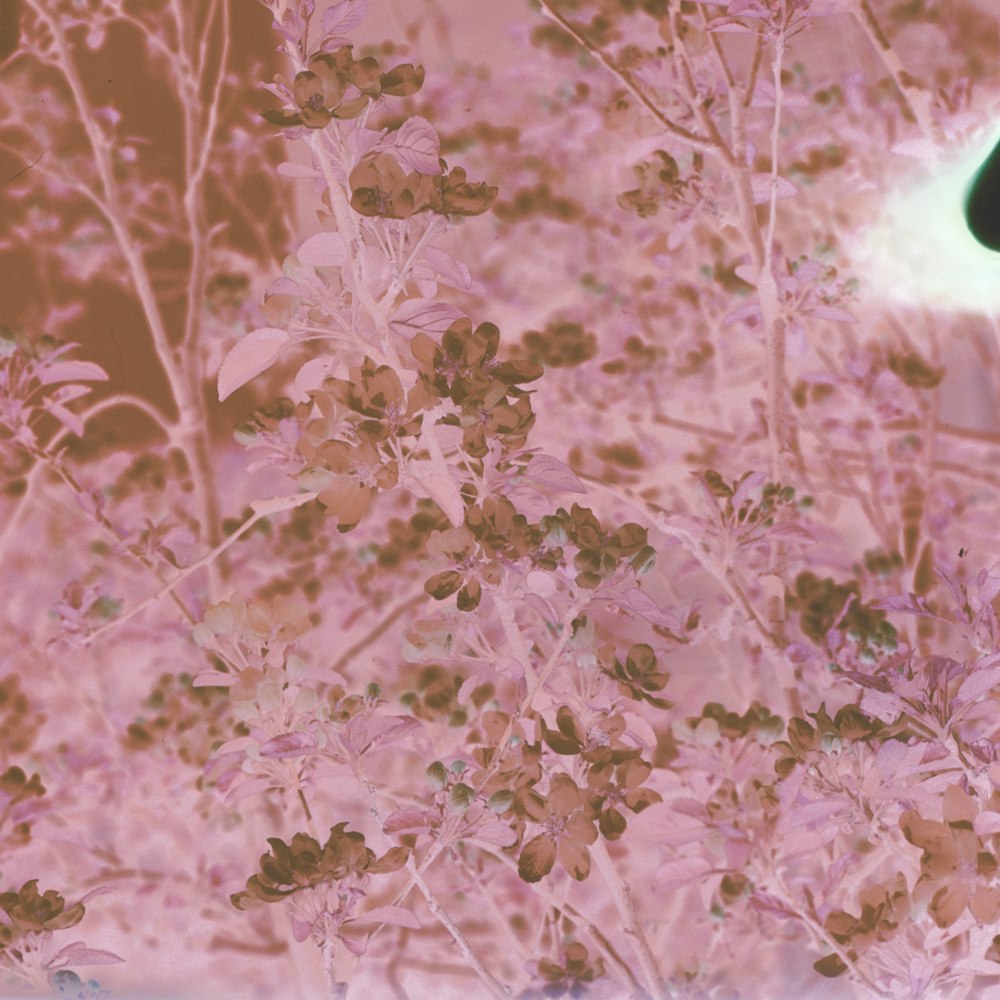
<point x="406" y="821"/>
<point x="644" y="606"/>
<point x="344" y="17"/>
<point x="730" y="25"/>
<point x="986" y="824"/>
<point x="977" y="684"/>
<point x="497" y="833"/>
<point x="323" y="250"/>
<point x="213" y="678"/>
<point x="450" y="271"/>
<point x="73" y="422"/>
<point x="78" y="953"/>
<point x="416" y="146"/>
<point x="290" y="169"/>
<point x="552" y="474"/>
<point x="761" y="185"/>
<point x="422" y="315"/>
<point x="683" y="871"/>
<point x="885" y="707"/>
<point x="832" y="313"/>
<point x="254" y="354"/>
<point x="289" y="745"/>
<point x="72" y="371"/>
<point x="312" y="375"/>
<point x="399" y="916"/>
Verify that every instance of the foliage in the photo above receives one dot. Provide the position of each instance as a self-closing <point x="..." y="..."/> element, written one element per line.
<point x="600" y="555"/>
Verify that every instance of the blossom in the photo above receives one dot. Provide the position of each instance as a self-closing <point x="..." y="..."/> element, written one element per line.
<point x="570" y="976"/>
<point x="349" y="477"/>
<point x="29" y="910"/>
<point x="319" y="92"/>
<point x="459" y="547"/>
<point x="465" y="362"/>
<point x="599" y="744"/>
<point x="566" y="830"/>
<point x="615" y="785"/>
<point x="639" y="675"/>
<point x="376" y="394"/>
<point x="289" y="868"/>
<point x="380" y="188"/>
<point x="954" y="866"/>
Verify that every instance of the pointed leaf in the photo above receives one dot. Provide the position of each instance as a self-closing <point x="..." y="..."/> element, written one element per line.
<point x="423" y="316"/>
<point x="289" y="745"/>
<point x="416" y="146"/>
<point x="398" y="916"/>
<point x="323" y="250"/>
<point x="290" y="169"/>
<point x="976" y="685"/>
<point x="254" y="354"/>
<point x="761" y="184"/>
<point x="72" y="371"/>
<point x="344" y="17"/>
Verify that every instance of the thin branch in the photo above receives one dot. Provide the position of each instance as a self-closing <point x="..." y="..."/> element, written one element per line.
<point x="376" y="630"/>
<point x="261" y="509"/>
<point x="495" y="987"/>
<point x="678" y="131"/>
<point x="915" y="99"/>
<point x="625" y="906"/>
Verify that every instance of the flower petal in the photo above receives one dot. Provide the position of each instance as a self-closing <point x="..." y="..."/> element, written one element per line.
<point x="575" y="858"/>
<point x="536" y="860"/>
<point x="564" y="796"/>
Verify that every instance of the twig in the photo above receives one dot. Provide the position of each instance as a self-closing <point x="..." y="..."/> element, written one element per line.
<point x="655" y="982"/>
<point x="261" y="509"/>
<point x="678" y="131"/>
<point x="547" y="896"/>
<point x="495" y="987"/>
<point x="33" y="163"/>
<point x="913" y="97"/>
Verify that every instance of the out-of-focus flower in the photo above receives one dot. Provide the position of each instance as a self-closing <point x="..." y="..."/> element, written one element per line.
<point x="569" y="977"/>
<point x="955" y="867"/>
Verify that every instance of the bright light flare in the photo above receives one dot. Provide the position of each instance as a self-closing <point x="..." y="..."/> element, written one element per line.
<point x="919" y="251"/>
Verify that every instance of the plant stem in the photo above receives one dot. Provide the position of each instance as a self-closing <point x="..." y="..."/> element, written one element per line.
<point x="677" y="131"/>
<point x="913" y="96"/>
<point x="261" y="509"/>
<point x="496" y="988"/>
<point x="655" y="982"/>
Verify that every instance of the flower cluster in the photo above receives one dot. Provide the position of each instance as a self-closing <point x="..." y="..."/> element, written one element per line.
<point x="335" y="85"/>
<point x="289" y="868"/>
<point x="494" y="537"/>
<point x="380" y="187"/>
<point x="600" y="552"/>
<point x="464" y="368"/>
